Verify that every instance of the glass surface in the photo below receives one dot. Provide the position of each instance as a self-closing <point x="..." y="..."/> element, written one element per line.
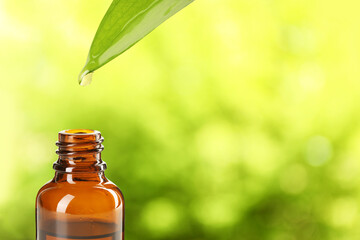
<point x="80" y="202"/>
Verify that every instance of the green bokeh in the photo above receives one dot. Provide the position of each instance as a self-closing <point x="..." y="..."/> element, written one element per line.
<point x="233" y="120"/>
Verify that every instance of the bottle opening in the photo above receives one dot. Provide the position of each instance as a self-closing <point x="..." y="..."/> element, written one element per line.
<point x="76" y="136"/>
<point x="79" y="131"/>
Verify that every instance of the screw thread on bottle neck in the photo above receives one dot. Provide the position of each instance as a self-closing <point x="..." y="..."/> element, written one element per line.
<point x="79" y="151"/>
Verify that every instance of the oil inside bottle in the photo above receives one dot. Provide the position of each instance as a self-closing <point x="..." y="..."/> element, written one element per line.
<point x="89" y="230"/>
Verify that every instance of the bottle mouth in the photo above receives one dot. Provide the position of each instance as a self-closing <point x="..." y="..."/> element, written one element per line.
<point x="79" y="131"/>
<point x="76" y="136"/>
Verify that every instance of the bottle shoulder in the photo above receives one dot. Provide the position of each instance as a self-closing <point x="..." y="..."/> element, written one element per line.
<point x="79" y="196"/>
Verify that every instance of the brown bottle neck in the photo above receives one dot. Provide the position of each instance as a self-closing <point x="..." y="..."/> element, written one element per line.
<point x="79" y="152"/>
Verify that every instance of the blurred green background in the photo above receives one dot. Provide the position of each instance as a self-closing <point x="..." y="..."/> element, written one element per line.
<point x="235" y="119"/>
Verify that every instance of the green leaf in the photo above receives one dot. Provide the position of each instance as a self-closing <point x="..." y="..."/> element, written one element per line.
<point x="124" y="24"/>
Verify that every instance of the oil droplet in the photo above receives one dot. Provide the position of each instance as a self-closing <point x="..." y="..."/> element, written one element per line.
<point x="86" y="79"/>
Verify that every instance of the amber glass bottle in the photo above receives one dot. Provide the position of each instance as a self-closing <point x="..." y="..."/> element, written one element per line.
<point x="79" y="202"/>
